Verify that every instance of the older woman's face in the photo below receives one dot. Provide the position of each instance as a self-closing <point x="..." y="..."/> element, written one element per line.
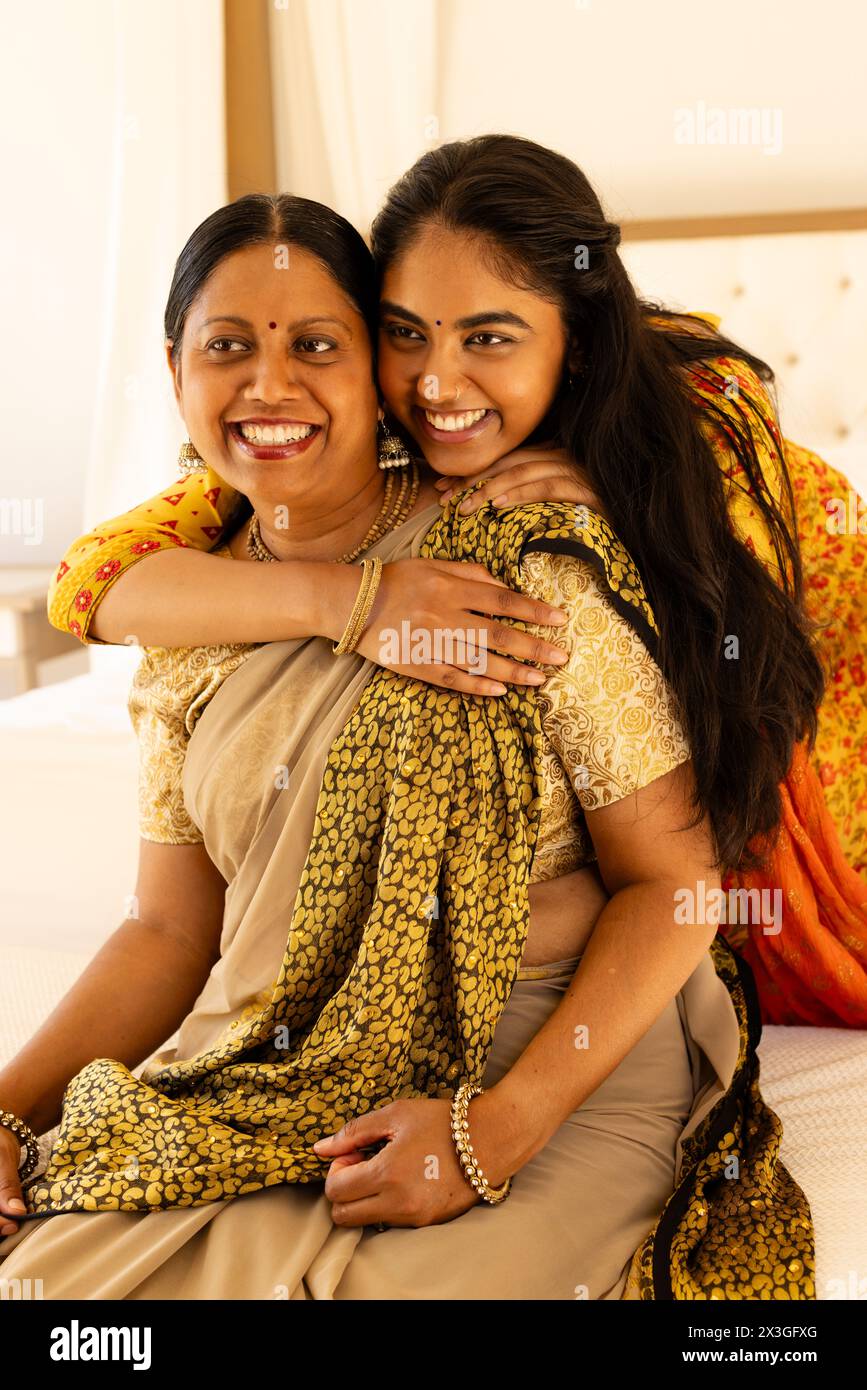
<point x="275" y="383"/>
<point x="468" y="363"/>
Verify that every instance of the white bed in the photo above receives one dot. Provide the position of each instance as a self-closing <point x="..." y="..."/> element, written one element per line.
<point x="68" y="827"/>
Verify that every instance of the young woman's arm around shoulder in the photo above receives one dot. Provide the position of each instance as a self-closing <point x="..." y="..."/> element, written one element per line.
<point x="636" y="961"/>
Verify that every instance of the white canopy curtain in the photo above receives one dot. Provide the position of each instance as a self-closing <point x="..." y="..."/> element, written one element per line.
<point x="164" y="101"/>
<point x="351" y="110"/>
<point x="357" y="96"/>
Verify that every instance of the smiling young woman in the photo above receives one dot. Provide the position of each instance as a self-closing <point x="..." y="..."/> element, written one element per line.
<point x="448" y="352"/>
<point x="678" y="441"/>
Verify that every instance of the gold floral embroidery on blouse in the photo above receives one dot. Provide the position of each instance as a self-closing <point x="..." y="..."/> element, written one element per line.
<point x="607" y="714"/>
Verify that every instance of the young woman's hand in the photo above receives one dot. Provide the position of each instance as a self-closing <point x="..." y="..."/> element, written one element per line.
<point x="415" y="1178"/>
<point x="10" y="1182"/>
<point x="446" y="622"/>
<point x="539" y="474"/>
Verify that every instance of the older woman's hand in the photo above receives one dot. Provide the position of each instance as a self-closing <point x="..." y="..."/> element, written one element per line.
<point x="429" y="622"/>
<point x="537" y="474"/>
<point x="415" y="1178"/>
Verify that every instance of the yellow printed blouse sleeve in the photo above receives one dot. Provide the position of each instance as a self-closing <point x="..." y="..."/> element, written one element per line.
<point x="607" y="712"/>
<point x="193" y="511"/>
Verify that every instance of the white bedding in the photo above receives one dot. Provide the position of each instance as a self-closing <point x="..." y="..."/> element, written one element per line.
<point x="68" y="812"/>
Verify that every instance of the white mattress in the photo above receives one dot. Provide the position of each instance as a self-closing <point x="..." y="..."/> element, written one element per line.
<point x="68" y="810"/>
<point x="816" y="1081"/>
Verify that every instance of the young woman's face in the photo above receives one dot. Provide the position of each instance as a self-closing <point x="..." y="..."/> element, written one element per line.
<point x="468" y="364"/>
<point x="275" y="383"/>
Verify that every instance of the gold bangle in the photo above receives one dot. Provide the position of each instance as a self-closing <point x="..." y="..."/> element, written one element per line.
<point x="461" y="1135"/>
<point x="26" y="1137"/>
<point x="342" y="645"/>
<point x="367" y="602"/>
<point x="371" y="573"/>
<point x="351" y="631"/>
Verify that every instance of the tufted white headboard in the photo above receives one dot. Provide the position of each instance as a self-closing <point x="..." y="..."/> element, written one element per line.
<point x="793" y="289"/>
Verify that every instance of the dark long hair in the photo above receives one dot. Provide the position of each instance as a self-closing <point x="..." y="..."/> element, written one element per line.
<point x="635" y="425"/>
<point x="272" y="219"/>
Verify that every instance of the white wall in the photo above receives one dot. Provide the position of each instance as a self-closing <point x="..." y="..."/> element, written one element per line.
<point x="601" y="81"/>
<point x="56" y="152"/>
<point x="111" y="150"/>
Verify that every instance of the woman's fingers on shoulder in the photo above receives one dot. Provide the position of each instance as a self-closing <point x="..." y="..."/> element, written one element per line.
<point x="455" y="679"/>
<point x="537" y="482"/>
<point x="547" y="454"/>
<point x="512" y="603"/>
<point x="499" y="599"/>
<point x="519" y="466"/>
<point x="502" y="600"/>
<point x="470" y="569"/>
<point x="447" y="486"/>
<point x="544" y="490"/>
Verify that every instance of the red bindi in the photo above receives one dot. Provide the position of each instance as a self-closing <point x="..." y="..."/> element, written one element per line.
<point x="272" y="325"/>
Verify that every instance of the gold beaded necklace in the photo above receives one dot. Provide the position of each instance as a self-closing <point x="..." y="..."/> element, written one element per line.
<point x="386" y="519"/>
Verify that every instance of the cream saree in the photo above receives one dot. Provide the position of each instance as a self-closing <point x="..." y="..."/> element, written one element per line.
<point x="161" y="1183"/>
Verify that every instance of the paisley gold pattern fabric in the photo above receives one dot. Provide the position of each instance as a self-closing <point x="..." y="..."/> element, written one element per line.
<point x="428" y="797"/>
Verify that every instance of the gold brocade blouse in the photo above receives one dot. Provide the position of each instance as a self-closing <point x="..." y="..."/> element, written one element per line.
<point x="608" y="717"/>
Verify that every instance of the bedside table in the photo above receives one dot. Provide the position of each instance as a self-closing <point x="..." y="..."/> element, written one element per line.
<point x="26" y="636"/>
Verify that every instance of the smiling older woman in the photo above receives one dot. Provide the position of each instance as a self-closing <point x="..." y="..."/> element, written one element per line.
<point x="368" y="965"/>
